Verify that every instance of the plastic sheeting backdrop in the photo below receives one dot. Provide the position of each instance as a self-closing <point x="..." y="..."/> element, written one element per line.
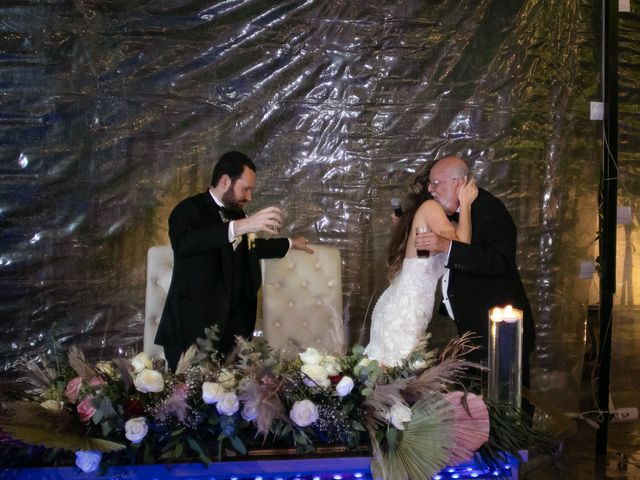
<point x="114" y="111"/>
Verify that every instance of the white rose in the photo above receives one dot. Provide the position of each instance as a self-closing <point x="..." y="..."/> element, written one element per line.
<point x="88" y="461"/>
<point x="365" y="361"/>
<point x="52" y="405"/>
<point x="344" y="386"/>
<point x="399" y="414"/>
<point x="330" y="364"/>
<point x="316" y="376"/>
<point x="310" y="356"/>
<point x="228" y="404"/>
<point x="149" y="381"/>
<point x="249" y="411"/>
<point x="304" y="413"/>
<point x="135" y="429"/>
<point x="140" y="362"/>
<point x="212" y="392"/>
<point x="227" y="379"/>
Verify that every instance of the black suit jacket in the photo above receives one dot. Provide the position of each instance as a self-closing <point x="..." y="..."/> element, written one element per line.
<point x="484" y="274"/>
<point x="200" y="291"/>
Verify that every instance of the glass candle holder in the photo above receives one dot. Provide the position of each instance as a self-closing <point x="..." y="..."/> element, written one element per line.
<point x="505" y="356"/>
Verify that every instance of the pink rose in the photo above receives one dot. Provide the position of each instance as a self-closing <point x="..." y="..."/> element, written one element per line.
<point x="85" y="409"/>
<point x="96" y="381"/>
<point x="73" y="389"/>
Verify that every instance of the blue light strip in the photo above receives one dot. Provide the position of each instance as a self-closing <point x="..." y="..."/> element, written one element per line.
<point x="326" y="468"/>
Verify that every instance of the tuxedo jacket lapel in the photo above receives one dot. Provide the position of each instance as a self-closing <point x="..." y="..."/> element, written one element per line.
<point x="214" y="211"/>
<point x="226" y="253"/>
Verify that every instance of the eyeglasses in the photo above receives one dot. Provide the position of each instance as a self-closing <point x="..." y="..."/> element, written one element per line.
<point x="435" y="183"/>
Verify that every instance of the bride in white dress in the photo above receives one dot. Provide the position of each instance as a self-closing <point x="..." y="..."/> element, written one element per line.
<point x="404" y="309"/>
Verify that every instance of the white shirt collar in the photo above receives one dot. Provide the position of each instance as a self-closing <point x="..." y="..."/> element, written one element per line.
<point x="215" y="199"/>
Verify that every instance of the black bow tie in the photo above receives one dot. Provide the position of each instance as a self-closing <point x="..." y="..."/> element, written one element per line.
<point x="231" y="213"/>
<point x="454" y="217"/>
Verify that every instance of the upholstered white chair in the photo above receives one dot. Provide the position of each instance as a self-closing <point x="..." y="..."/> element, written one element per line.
<point x="159" y="270"/>
<point x="301" y="299"/>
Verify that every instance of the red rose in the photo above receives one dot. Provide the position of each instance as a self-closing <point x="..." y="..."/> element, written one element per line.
<point x="133" y="408"/>
<point x="335" y="379"/>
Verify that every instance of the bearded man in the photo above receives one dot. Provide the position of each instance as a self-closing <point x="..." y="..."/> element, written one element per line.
<point x="216" y="270"/>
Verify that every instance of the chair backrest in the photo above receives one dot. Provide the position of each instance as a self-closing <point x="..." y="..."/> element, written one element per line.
<point x="159" y="271"/>
<point x="301" y="299"/>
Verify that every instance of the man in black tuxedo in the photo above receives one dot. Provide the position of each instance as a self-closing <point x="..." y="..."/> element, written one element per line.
<point x="483" y="274"/>
<point x="216" y="273"/>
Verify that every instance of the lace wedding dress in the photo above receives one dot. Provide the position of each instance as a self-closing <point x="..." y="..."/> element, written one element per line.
<point x="404" y="309"/>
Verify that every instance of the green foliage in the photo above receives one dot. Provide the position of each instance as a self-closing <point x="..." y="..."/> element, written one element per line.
<point x="511" y="432"/>
<point x="207" y="409"/>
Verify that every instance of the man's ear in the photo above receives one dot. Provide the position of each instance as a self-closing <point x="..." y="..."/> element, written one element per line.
<point x="225" y="181"/>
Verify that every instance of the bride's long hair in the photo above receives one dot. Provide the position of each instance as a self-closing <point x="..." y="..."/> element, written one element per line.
<point x="418" y="193"/>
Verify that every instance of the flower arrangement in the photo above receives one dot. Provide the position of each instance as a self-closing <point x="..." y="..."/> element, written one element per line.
<point x="410" y="418"/>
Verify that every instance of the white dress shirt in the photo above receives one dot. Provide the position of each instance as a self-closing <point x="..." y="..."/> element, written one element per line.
<point x="232" y="237"/>
<point x="445" y="282"/>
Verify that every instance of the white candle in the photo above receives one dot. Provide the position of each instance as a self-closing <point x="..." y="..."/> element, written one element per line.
<point x="507" y="314"/>
<point x="505" y="345"/>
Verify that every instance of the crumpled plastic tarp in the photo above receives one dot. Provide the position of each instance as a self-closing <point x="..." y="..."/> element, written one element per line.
<point x="114" y="111"/>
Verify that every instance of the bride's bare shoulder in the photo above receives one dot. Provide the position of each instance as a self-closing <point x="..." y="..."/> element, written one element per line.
<point x="429" y="206"/>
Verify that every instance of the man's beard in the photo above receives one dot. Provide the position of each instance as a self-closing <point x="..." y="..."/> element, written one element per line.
<point x="229" y="200"/>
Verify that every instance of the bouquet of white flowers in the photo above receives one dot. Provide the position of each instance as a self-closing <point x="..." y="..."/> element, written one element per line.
<point x="414" y="418"/>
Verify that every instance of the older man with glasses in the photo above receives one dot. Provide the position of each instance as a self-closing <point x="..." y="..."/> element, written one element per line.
<point x="482" y="274"/>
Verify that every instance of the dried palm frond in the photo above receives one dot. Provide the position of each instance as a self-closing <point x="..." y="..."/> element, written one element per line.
<point x="423" y="448"/>
<point x="186" y="359"/>
<point x="378" y="463"/>
<point x="124" y="367"/>
<point x="437" y="378"/>
<point x="79" y="364"/>
<point x="30" y="413"/>
<point x="269" y="406"/>
<point x="66" y="441"/>
<point x="39" y="378"/>
<point x="10" y="392"/>
<point x="459" y="347"/>
<point x="33" y="424"/>
<point x="472" y="426"/>
<point x="421" y="348"/>
<point x="380" y="401"/>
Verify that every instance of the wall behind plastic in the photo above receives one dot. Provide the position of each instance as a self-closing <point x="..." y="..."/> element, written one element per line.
<point x="114" y="111"/>
<point x="626" y="328"/>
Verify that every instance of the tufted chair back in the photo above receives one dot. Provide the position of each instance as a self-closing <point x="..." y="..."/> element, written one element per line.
<point x="159" y="270"/>
<point x="301" y="301"/>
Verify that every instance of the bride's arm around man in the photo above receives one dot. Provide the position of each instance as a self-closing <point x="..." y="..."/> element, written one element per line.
<point x="404" y="309"/>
